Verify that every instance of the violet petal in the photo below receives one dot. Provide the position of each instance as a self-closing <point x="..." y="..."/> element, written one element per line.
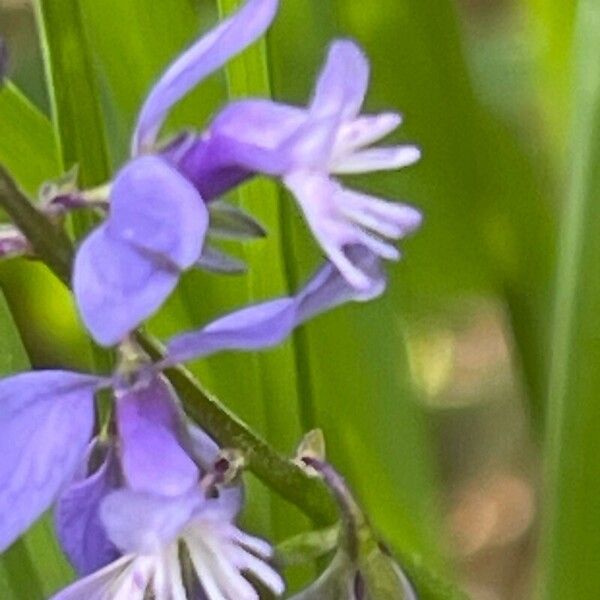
<point x="209" y="53"/>
<point x="117" y="287"/>
<point x="152" y="457"/>
<point x="158" y="211"/>
<point x="144" y="523"/>
<point x="77" y="517"/>
<point x="342" y="83"/>
<point x="269" y="323"/>
<point x="46" y="423"/>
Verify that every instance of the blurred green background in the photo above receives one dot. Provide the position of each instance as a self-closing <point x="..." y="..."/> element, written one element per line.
<point x="435" y="399"/>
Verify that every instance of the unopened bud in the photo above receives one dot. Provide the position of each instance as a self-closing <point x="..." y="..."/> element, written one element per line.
<point x="312" y="447"/>
<point x="362" y="568"/>
<point x="13" y="243"/>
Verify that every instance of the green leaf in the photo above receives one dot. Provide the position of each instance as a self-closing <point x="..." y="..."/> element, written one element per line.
<point x="33" y="567"/>
<point x="27" y="144"/>
<point x="307" y="547"/>
<point x="571" y="540"/>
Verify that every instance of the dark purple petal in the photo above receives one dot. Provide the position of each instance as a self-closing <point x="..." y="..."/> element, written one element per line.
<point x="158" y="211"/>
<point x="209" y="53"/>
<point x="269" y="323"/>
<point x="145" y="523"/>
<point x="245" y="138"/>
<point x="46" y="421"/>
<point x="208" y="164"/>
<point x="117" y="287"/>
<point x="150" y="428"/>
<point x="79" y="529"/>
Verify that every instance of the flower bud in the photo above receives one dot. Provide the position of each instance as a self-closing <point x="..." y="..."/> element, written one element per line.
<point x="362" y="568"/>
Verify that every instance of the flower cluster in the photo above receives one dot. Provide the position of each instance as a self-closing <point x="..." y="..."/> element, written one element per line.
<point x="142" y="506"/>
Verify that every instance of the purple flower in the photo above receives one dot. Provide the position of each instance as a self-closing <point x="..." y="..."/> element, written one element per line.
<point x="305" y="148"/>
<point x="157" y="222"/>
<point x="154" y="449"/>
<point x="129" y="265"/>
<point x="146" y="498"/>
<point x="150" y="532"/>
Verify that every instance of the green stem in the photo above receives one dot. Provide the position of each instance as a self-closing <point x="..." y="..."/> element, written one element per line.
<point x="276" y="471"/>
<point x="47" y="240"/>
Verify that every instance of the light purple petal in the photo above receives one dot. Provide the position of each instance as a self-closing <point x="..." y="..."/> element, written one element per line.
<point x="204" y="448"/>
<point x="46" y="421"/>
<point x="209" y="53"/>
<point x="328" y="288"/>
<point x="312" y="145"/>
<point x="156" y="210"/>
<point x="259" y="326"/>
<point x="77" y="516"/>
<point x="145" y="523"/>
<point x="269" y="323"/>
<point x="365" y="130"/>
<point x="343" y="82"/>
<point x="116" y="287"/>
<point x="340" y="218"/>
<point x="261" y="123"/>
<point x="150" y="426"/>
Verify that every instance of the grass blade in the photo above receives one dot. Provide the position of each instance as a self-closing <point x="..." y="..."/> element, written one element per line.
<point x="572" y="517"/>
<point x="27" y="144"/>
<point x="73" y="90"/>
